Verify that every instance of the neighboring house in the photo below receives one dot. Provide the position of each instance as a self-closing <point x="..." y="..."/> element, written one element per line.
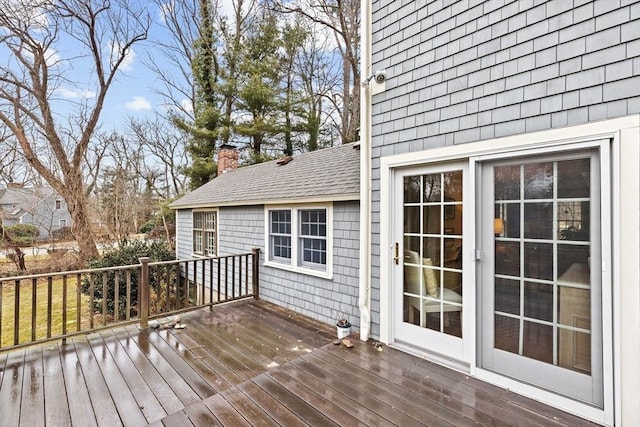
<point x="301" y="211"/>
<point x="504" y="157"/>
<point x="38" y="206"/>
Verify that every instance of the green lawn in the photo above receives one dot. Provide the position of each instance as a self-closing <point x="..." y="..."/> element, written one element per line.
<point x="25" y="310"/>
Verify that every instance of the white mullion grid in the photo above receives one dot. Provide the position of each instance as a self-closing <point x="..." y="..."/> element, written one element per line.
<point x="312" y="249"/>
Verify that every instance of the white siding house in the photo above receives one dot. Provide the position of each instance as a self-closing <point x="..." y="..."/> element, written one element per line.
<point x="302" y="213"/>
<point x="41" y="207"/>
<point x="503" y="157"/>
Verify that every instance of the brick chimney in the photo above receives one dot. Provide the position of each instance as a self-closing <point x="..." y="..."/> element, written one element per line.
<point x="227" y="159"/>
<point x="15" y="185"/>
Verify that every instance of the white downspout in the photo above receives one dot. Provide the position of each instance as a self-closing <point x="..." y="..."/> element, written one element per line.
<point x="364" y="302"/>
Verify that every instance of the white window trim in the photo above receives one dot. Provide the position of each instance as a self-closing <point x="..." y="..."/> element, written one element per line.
<point x="294" y="265"/>
<point x="203" y="254"/>
<point x="551" y="140"/>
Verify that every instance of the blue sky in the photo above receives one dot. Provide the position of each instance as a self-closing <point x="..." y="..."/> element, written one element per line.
<point x="133" y="94"/>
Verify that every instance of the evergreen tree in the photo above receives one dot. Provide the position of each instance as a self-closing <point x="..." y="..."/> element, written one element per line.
<point x="293" y="39"/>
<point x="204" y="129"/>
<point x="260" y="90"/>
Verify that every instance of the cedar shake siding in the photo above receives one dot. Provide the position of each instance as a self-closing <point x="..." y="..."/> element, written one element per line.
<point x="471" y="70"/>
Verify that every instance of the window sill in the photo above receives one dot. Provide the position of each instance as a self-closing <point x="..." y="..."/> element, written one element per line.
<point x="301" y="270"/>
<point x="195" y="255"/>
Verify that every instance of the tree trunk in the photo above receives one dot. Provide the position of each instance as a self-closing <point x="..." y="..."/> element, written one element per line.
<point x="19" y="259"/>
<point x="80" y="224"/>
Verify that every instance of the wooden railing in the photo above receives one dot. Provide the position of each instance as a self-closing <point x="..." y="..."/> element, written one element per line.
<point x="44" y="307"/>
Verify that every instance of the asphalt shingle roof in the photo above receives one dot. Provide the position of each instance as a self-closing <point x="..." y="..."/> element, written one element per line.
<point x="328" y="174"/>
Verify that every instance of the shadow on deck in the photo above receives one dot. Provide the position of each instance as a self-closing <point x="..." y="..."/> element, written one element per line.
<point x="247" y="363"/>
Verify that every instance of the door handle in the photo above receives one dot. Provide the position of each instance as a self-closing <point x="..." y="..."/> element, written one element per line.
<point x="396" y="256"/>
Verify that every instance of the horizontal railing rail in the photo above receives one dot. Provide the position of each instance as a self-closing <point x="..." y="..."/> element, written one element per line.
<point x="49" y="306"/>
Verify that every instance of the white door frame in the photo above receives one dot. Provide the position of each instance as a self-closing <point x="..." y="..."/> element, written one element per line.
<point x="451" y="348"/>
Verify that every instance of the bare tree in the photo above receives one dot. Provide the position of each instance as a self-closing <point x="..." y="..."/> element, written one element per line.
<point x="163" y="156"/>
<point x="342" y="18"/>
<point x="33" y="78"/>
<point x="180" y="20"/>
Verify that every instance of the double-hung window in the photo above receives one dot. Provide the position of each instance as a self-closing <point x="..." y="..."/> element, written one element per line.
<point x="299" y="238"/>
<point x="205" y="233"/>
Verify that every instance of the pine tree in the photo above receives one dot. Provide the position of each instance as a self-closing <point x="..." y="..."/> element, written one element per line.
<point x="204" y="130"/>
<point x="260" y="89"/>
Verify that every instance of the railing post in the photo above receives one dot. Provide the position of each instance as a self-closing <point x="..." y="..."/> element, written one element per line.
<point x="143" y="290"/>
<point x="256" y="272"/>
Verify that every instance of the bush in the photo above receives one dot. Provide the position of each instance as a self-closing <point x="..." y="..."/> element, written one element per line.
<point x="128" y="254"/>
<point x="149" y="225"/>
<point x="63" y="233"/>
<point x="22" y="234"/>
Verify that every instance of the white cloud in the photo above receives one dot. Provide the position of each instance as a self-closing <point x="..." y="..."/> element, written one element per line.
<point x="225" y="8"/>
<point x="139" y="103"/>
<point x="32" y="14"/>
<point x="51" y="57"/>
<point x="129" y="57"/>
<point x="187" y="105"/>
<point x="73" y="94"/>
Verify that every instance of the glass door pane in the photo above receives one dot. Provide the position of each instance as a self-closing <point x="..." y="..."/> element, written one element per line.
<point x="432" y="242"/>
<point x="542" y="295"/>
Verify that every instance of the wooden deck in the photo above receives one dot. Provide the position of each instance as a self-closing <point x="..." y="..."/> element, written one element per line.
<point x="248" y="363"/>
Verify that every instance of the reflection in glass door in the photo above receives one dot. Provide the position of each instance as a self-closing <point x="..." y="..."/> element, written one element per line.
<point x="432" y="251"/>
<point x="545" y="303"/>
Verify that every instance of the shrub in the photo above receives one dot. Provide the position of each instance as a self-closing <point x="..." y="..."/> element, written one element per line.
<point x="22" y="234"/>
<point x="63" y="233"/>
<point x="128" y="254"/>
<point x="149" y="225"/>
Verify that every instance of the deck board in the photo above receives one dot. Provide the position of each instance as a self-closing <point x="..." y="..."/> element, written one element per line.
<point x="247" y="408"/>
<point x="165" y="393"/>
<point x="144" y="397"/>
<point x="199" y="415"/>
<point x="56" y="405"/>
<point x="451" y="393"/>
<point x="75" y="392"/>
<point x="407" y="399"/>
<point x="306" y="382"/>
<point x="304" y="410"/>
<point x="224" y="411"/>
<point x="247" y="363"/>
<point x="11" y="388"/>
<point x="280" y="413"/>
<point x="473" y="391"/>
<point x="179" y="385"/>
<point x="354" y="391"/>
<point x="32" y="408"/>
<point x="128" y="408"/>
<point x="102" y="402"/>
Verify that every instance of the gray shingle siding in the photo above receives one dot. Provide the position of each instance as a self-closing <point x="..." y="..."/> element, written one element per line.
<point x="485" y="69"/>
<point x="184" y="227"/>
<point x="242" y="228"/>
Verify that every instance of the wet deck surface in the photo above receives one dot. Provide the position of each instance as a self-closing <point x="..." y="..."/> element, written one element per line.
<point x="249" y="363"/>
